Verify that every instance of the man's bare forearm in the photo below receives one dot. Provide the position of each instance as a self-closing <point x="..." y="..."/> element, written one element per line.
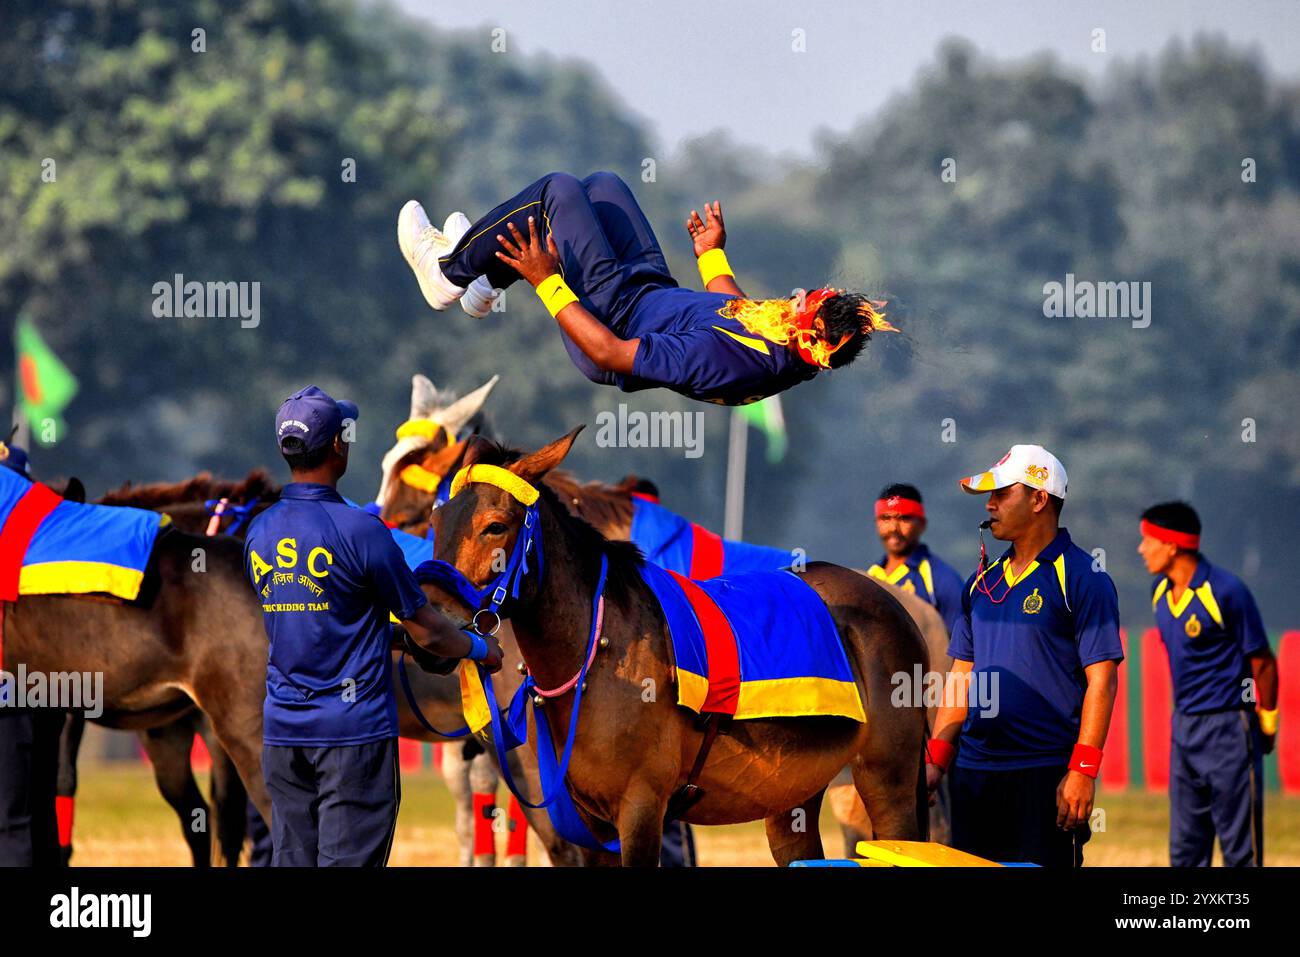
<point x="1098" y="703"/>
<point x="725" y="284"/>
<point x="436" y="635"/>
<point x="1263" y="668"/>
<point x="952" y="712"/>
<point x="597" y="343"/>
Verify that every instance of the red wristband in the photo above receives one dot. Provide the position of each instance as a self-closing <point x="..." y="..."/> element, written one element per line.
<point x="1086" y="760"/>
<point x="939" y="753"/>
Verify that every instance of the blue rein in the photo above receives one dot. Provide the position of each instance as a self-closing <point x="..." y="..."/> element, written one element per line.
<point x="513" y="731"/>
<point x="241" y="513"/>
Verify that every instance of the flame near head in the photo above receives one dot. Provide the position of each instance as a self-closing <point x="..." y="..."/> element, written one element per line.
<point x="789" y="322"/>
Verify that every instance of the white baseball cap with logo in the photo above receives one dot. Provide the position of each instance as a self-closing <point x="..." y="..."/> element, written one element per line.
<point x="1031" y="465"/>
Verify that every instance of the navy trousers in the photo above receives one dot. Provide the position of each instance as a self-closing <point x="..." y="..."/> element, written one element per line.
<point x="609" y="255"/>
<point x="1216" y="786"/>
<point x="29" y="759"/>
<point x="1010" y="817"/>
<point x="332" y="806"/>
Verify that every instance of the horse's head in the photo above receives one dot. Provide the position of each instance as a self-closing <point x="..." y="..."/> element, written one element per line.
<point x="427" y="450"/>
<point x="476" y="530"/>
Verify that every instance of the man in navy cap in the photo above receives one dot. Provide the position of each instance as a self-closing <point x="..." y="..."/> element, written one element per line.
<point x="1036" y="653"/>
<point x="329" y="575"/>
<point x="1225" y="694"/>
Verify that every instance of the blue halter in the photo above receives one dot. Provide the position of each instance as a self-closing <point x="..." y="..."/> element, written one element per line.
<point x="511" y="732"/>
<point x="241" y="513"/>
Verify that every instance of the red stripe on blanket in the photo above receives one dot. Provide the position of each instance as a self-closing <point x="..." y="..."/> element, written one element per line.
<point x="706" y="553"/>
<point x="24" y="518"/>
<point x="719" y="646"/>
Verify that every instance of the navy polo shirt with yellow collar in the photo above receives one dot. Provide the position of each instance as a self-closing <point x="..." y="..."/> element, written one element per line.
<point x="925" y="574"/>
<point x="688" y="346"/>
<point x="1209" y="632"/>
<point x="1036" y="634"/>
<point x="328" y="575"/>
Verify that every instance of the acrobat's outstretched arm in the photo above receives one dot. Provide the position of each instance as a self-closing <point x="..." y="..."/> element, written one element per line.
<point x="540" y="266"/>
<point x="711" y="234"/>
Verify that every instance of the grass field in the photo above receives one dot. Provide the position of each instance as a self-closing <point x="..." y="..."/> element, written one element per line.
<point x="122" y="821"/>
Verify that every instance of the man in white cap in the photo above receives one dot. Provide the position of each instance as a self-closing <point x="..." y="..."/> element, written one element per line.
<point x="1037" y="645"/>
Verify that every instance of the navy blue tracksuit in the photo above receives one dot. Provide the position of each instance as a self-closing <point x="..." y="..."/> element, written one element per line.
<point x="610" y="258"/>
<point x="1216" y="764"/>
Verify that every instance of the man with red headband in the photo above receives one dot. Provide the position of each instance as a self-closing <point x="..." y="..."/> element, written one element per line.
<point x="1225" y="694"/>
<point x="908" y="562"/>
<point x="1034" y="674"/>
<point x="624" y="320"/>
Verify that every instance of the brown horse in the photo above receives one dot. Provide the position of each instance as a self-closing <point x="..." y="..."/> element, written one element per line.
<point x="436" y="696"/>
<point x="631" y="755"/>
<point x="174" y="647"/>
<point x="609" y="508"/>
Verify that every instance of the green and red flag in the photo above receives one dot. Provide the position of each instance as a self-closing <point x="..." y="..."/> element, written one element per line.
<point x="45" y="386"/>
<point x="766" y="416"/>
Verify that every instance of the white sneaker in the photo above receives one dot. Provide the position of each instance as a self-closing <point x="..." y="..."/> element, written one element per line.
<point x="422" y="244"/>
<point x="480" y="297"/>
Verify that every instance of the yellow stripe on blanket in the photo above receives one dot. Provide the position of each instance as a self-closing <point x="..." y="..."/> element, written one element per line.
<point x="61" y="578"/>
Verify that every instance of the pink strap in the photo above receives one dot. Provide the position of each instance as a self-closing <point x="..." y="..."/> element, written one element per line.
<point x="214" y="523"/>
<point x="595" y="643"/>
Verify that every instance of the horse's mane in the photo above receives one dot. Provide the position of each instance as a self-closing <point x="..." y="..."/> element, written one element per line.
<point x="625" y="558"/>
<point x="257" y="484"/>
<point x="599" y="503"/>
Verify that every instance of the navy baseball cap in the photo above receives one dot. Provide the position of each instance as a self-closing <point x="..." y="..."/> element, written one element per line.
<point x="309" y="419"/>
<point x="14" y="457"/>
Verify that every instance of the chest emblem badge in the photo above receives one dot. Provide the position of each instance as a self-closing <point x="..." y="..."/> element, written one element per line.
<point x="1193" y="626"/>
<point x="1033" y="603"/>
<point x="909" y="588"/>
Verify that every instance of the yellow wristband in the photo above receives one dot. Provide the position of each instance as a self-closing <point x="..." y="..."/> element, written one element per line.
<point x="713" y="264"/>
<point x="1267" y="720"/>
<point x="555" y="293"/>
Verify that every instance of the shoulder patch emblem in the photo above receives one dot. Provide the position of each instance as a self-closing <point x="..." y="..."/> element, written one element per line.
<point x="1033" y="603"/>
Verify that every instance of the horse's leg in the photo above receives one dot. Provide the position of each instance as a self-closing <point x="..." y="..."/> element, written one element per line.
<point x="796" y="834"/>
<point x="229" y="803"/>
<point x="641" y="825"/>
<point x="74" y="724"/>
<point x="481" y="773"/>
<point x="168" y="749"/>
<point x="238" y="729"/>
<point x="890" y="793"/>
<point x="455" y="772"/>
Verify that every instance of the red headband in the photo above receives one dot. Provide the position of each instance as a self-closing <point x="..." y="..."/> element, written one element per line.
<point x="1181" y="539"/>
<point x="897" y="505"/>
<point x="804" y="319"/>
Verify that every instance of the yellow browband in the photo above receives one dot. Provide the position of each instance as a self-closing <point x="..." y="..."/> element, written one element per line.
<point x="503" y="479"/>
<point x="420" y="478"/>
<point x="426" y="429"/>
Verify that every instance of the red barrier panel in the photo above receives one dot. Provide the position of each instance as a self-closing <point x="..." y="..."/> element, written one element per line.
<point x="410" y="754"/>
<point x="1288" y="703"/>
<point x="1157" y="709"/>
<point x="1114" y="770"/>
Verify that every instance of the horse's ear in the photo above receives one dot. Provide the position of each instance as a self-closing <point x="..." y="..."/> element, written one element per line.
<point x="75" y="491"/>
<point x="475" y="446"/>
<point x="533" y="467"/>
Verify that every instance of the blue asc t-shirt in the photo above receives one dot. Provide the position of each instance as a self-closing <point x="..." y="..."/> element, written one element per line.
<point x="328" y="576"/>
<point x="925" y="574"/>
<point x="689" y="347"/>
<point x="1209" y="632"/>
<point x="1036" y="634"/>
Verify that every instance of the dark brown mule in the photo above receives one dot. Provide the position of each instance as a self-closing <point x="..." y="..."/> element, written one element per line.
<point x="437" y="696"/>
<point x="178" y="645"/>
<point x="631" y="755"/>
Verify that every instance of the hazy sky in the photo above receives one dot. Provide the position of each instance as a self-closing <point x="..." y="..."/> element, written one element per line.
<point x="690" y="66"/>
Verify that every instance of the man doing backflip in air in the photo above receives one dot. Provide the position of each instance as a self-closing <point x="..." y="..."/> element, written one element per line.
<point x="625" y="322"/>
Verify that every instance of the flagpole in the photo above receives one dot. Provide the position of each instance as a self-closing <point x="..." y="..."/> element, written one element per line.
<point x="737" y="454"/>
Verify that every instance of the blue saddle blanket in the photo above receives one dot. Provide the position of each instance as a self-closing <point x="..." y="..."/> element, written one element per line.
<point x="755" y="645"/>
